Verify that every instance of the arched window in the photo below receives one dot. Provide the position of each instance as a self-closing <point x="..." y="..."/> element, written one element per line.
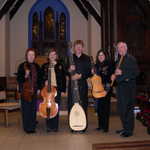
<point x="49" y="24"/>
<point x="35" y="26"/>
<point x="62" y="27"/>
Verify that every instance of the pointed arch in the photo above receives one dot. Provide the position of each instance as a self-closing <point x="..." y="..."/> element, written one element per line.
<point x="62" y="27"/>
<point x="49" y="24"/>
<point x="35" y="26"/>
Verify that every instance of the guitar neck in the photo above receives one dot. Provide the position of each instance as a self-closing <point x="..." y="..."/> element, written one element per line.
<point x="76" y="96"/>
<point x="49" y="80"/>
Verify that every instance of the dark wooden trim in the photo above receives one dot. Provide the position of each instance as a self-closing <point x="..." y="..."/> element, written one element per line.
<point x="15" y="8"/>
<point x="6" y="8"/>
<point x="92" y="11"/>
<point x="81" y="8"/>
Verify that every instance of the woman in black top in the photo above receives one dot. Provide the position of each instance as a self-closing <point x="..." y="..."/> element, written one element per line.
<point x="28" y="77"/>
<point x="59" y="80"/>
<point x="104" y="69"/>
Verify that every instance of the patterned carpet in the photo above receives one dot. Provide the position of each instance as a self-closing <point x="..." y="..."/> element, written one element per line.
<point x="135" y="145"/>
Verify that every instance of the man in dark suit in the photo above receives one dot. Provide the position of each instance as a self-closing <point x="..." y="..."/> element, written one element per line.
<point x="125" y="76"/>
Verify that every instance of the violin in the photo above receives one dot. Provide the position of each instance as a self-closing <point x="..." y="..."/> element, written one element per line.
<point x="27" y="92"/>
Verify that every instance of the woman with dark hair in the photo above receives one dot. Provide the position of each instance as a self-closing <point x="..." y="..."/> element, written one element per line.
<point x="58" y="80"/>
<point x="104" y="69"/>
<point x="28" y="77"/>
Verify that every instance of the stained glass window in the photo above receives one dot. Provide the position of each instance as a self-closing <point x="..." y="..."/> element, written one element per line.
<point x="62" y="27"/>
<point x="35" y="26"/>
<point x="49" y="24"/>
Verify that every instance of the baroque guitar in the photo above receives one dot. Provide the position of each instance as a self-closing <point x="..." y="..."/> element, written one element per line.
<point x="97" y="85"/>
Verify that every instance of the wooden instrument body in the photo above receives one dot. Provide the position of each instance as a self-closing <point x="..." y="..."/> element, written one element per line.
<point x="98" y="90"/>
<point x="97" y="87"/>
<point x="48" y="108"/>
<point x="27" y="92"/>
<point x="77" y="118"/>
<point x="48" y="103"/>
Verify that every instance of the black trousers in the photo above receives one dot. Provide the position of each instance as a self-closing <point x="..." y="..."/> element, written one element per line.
<point x="103" y="112"/>
<point x="28" y="110"/>
<point x="53" y="123"/>
<point x="126" y="101"/>
<point x="83" y="95"/>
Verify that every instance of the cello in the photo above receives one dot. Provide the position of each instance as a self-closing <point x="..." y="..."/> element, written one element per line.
<point x="48" y="108"/>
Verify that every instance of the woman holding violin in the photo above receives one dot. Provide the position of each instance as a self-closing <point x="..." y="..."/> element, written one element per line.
<point x="57" y="81"/>
<point x="28" y="76"/>
<point x="104" y="69"/>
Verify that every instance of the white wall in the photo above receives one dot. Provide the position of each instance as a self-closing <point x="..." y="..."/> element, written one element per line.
<point x="19" y="31"/>
<point x="19" y="34"/>
<point x="78" y="23"/>
<point x="95" y="37"/>
<point x="3" y="46"/>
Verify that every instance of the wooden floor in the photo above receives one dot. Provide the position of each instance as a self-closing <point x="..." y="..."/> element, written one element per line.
<point x="13" y="137"/>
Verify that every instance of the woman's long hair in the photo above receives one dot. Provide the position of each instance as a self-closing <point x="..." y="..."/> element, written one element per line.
<point x="101" y="51"/>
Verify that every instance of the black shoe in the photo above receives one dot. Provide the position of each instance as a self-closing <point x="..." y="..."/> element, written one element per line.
<point x="126" y="134"/>
<point x="30" y="131"/>
<point x="105" y="130"/>
<point x="98" y="129"/>
<point x="83" y="131"/>
<point x="49" y="130"/>
<point x="36" y="122"/>
<point x="55" y="130"/>
<point x="120" y="131"/>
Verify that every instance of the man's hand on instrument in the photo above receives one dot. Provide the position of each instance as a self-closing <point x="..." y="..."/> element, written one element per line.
<point x="72" y="68"/>
<point x="46" y="83"/>
<point x="113" y="77"/>
<point x="76" y="76"/>
<point x="118" y="72"/>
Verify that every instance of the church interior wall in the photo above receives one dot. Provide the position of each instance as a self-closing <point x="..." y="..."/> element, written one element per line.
<point x="18" y="44"/>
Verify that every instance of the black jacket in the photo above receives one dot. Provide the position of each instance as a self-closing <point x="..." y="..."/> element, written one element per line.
<point x="129" y="69"/>
<point x="60" y="76"/>
<point x="21" y="75"/>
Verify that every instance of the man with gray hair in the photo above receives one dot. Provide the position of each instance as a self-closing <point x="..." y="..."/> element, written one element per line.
<point x="125" y="76"/>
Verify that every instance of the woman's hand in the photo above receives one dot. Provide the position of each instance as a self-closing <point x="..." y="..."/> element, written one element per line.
<point x="46" y="83"/>
<point x="92" y="70"/>
<point x="118" y="72"/>
<point x="76" y="76"/>
<point x="113" y="77"/>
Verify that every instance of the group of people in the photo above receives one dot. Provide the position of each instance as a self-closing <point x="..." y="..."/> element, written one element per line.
<point x="37" y="77"/>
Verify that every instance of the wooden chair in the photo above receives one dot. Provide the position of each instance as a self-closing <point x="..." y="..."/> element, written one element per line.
<point x="6" y="107"/>
<point x="6" y="104"/>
